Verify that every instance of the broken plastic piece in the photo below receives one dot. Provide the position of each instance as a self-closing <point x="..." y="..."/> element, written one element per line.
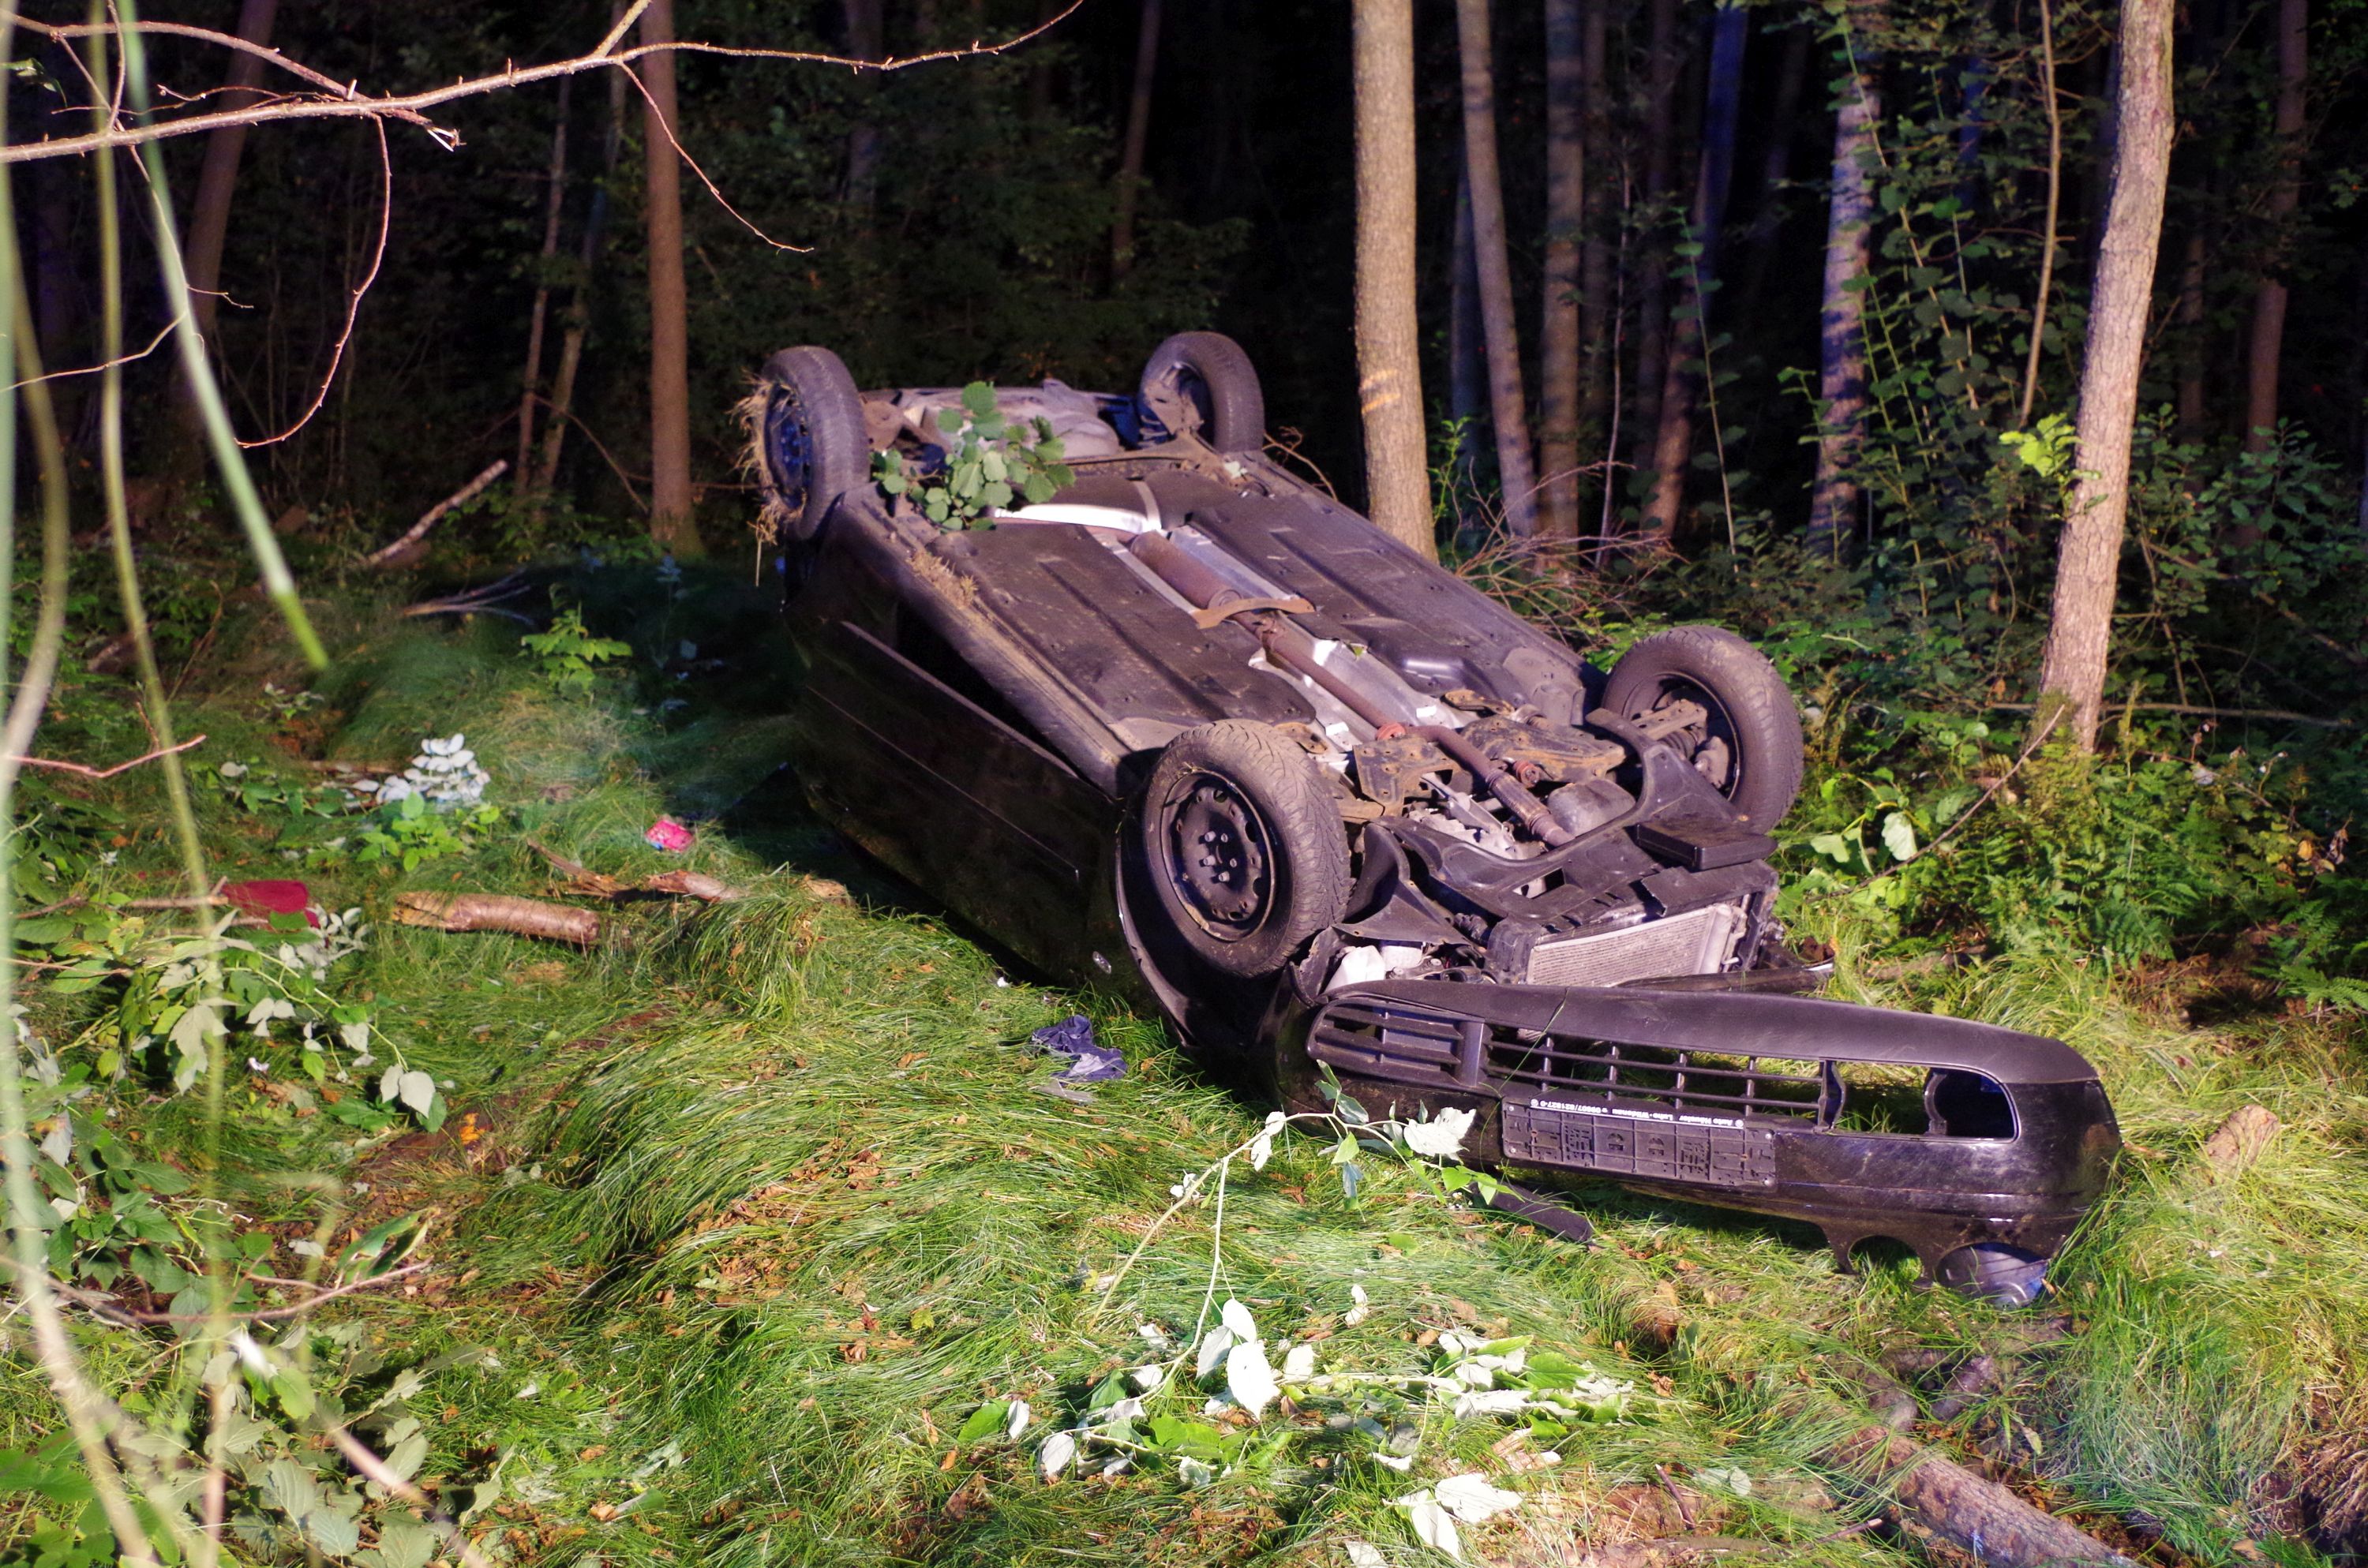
<point x="1090" y="1062"/>
<point x="668" y="834"/>
<point x="266" y="898"/>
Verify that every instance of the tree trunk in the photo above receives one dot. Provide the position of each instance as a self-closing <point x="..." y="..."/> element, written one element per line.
<point x="2087" y="564"/>
<point x="2192" y="330"/>
<point x="1508" y="408"/>
<point x="1768" y="221"/>
<point x="539" y="317"/>
<point x="1652" y="263"/>
<point x="1468" y="372"/>
<point x="2268" y="345"/>
<point x="1683" y="378"/>
<point x="1842" y="380"/>
<point x="1138" y="131"/>
<point x="1598" y="289"/>
<point x="579" y="307"/>
<point x="201" y="248"/>
<point x="671" y="522"/>
<point x="1389" y="331"/>
<point x="865" y="25"/>
<point x="1558" y="397"/>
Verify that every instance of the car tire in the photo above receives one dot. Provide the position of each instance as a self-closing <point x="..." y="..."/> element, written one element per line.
<point x="1244" y="849"/>
<point x="1749" y="747"/>
<point x="1203" y="383"/>
<point x="809" y="440"/>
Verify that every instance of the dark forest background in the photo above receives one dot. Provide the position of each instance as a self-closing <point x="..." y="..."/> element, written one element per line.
<point x="957" y="221"/>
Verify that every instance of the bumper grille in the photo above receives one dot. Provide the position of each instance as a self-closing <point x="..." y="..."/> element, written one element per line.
<point x="1700" y="941"/>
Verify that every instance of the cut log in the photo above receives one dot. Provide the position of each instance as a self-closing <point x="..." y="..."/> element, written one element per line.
<point x="498" y="912"/>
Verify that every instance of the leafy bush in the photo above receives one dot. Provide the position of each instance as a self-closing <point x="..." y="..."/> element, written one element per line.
<point x="568" y="655"/>
<point x="988" y="464"/>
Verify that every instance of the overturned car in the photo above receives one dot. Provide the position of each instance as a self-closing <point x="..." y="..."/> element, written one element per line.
<point x="1194" y="728"/>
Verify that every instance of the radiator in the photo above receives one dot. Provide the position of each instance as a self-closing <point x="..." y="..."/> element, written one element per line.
<point x="1700" y="941"/>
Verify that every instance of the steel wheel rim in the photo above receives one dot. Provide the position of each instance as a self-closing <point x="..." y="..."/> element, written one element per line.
<point x="1710" y="746"/>
<point x="1220" y="862"/>
<point x="788" y="449"/>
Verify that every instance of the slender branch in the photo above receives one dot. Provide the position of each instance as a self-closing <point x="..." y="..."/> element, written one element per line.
<point x="2055" y="193"/>
<point x="115" y="364"/>
<point x="377" y="1468"/>
<point x="350" y="103"/>
<point x="88" y="772"/>
<point x="435" y="514"/>
<point x="354" y="302"/>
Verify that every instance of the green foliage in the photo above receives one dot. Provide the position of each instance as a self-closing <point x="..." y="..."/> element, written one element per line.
<point x="411" y="832"/>
<point x="568" y="655"/>
<point x="988" y="464"/>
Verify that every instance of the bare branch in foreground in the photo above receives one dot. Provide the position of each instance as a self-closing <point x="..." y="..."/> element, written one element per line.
<point x="436" y="514"/>
<point x="348" y="102"/>
<point x="88" y="772"/>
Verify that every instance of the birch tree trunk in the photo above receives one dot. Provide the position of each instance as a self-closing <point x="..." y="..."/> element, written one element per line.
<point x="1683" y="379"/>
<point x="1558" y="337"/>
<point x="1138" y="131"/>
<point x="1841" y="379"/>
<point x="1389" y="332"/>
<point x="671" y="522"/>
<point x="2267" y="350"/>
<point x="1508" y="407"/>
<point x="2089" y="561"/>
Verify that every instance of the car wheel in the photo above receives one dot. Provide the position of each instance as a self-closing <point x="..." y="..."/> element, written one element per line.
<point x="1201" y="383"/>
<point x="809" y="438"/>
<point x="1245" y="850"/>
<point x="1748" y="742"/>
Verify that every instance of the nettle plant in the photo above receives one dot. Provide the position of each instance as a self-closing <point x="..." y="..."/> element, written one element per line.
<point x="1185" y="1405"/>
<point x="989" y="463"/>
<point x="568" y="655"/>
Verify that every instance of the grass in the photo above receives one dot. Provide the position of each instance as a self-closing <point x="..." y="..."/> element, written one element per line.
<point x="760" y="1202"/>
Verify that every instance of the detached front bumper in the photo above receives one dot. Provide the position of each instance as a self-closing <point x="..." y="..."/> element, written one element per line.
<point x="1752" y="1102"/>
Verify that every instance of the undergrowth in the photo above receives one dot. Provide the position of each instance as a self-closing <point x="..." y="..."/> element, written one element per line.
<point x="739" y="1221"/>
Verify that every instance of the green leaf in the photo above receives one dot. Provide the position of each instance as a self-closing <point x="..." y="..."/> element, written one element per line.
<point x="979" y="399"/>
<point x="950" y="420"/>
<point x="1037" y="488"/>
<point x="294" y="1392"/>
<point x="986" y="1420"/>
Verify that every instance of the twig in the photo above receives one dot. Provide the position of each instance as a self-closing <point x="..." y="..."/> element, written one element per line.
<point x="79" y="768"/>
<point x="116" y="363"/>
<point x="354" y="302"/>
<point x="436" y="514"/>
<point x="1685" y="1509"/>
<point x="614" y="466"/>
<point x="111" y="1307"/>
<point x="2283" y="715"/>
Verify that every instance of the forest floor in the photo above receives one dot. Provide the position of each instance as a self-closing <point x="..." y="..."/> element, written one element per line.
<point x="741" y="1216"/>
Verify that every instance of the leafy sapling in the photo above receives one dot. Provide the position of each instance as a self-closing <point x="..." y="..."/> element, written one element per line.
<point x="568" y="655"/>
<point x="989" y="464"/>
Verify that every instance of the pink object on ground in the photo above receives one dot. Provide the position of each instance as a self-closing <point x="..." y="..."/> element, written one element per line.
<point x="264" y="899"/>
<point x="668" y="834"/>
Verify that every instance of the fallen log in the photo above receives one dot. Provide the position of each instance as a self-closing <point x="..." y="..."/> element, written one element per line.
<point x="498" y="912"/>
<point x="1954" y="1503"/>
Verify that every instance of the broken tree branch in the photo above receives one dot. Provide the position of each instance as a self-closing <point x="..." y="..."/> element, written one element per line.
<point x="345" y="101"/>
<point x="76" y="767"/>
<point x="498" y="912"/>
<point x="436" y="514"/>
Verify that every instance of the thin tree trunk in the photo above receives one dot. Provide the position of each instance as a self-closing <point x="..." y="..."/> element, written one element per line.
<point x="1599" y="319"/>
<point x="2268" y="347"/>
<point x="2054" y="207"/>
<point x="201" y="248"/>
<point x="1652" y="253"/>
<point x="579" y="305"/>
<point x="1467" y="371"/>
<point x="1389" y="332"/>
<point x="1683" y="378"/>
<point x="2192" y="348"/>
<point x="1508" y="409"/>
<point x="866" y="27"/>
<point x="1138" y="131"/>
<point x="671" y="522"/>
<point x="1842" y="380"/>
<point x="1558" y="351"/>
<point x="2088" y="565"/>
<point x="1041" y="80"/>
<point x="1768" y="221"/>
<point x="540" y="314"/>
